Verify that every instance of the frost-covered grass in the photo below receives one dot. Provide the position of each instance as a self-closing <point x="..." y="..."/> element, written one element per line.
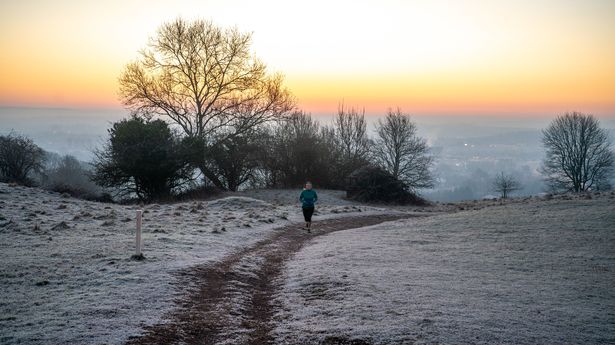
<point x="66" y="275"/>
<point x="531" y="271"/>
<point x="539" y="272"/>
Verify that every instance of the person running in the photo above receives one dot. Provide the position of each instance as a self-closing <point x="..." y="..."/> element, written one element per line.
<point x="308" y="198"/>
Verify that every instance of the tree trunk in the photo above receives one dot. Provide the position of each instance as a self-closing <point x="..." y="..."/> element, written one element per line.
<point x="212" y="177"/>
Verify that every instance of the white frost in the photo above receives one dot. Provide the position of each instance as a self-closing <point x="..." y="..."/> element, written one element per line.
<point x="536" y="273"/>
<point x="66" y="275"/>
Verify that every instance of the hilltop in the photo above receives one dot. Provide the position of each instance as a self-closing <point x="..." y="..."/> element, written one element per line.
<point x="522" y="271"/>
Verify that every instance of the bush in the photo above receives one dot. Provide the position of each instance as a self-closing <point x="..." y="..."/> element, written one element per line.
<point x="143" y="158"/>
<point x="300" y="149"/>
<point x="20" y="157"/>
<point x="68" y="175"/>
<point x="374" y="184"/>
<point x="202" y="192"/>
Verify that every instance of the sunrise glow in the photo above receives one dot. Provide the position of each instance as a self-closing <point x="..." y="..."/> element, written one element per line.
<point x="429" y="57"/>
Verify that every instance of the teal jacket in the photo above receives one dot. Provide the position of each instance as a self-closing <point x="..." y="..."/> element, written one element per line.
<point x="308" y="197"/>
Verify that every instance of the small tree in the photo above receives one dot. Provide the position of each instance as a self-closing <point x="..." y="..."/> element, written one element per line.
<point x="578" y="153"/>
<point x="505" y="184"/>
<point x="19" y="158"/>
<point x="400" y="151"/>
<point x="350" y="129"/>
<point x="142" y="158"/>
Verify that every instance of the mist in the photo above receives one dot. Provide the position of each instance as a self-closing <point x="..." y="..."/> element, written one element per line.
<point x="76" y="132"/>
<point x="469" y="150"/>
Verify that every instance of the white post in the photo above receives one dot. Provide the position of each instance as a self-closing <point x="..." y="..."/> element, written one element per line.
<point x="139" y="213"/>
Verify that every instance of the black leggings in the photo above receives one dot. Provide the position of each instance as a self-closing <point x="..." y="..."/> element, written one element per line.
<point x="307" y="213"/>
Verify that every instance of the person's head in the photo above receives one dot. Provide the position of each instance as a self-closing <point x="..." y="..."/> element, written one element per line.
<point x="308" y="185"/>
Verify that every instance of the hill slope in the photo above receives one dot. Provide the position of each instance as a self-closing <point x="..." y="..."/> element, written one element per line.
<point x="66" y="274"/>
<point x="538" y="272"/>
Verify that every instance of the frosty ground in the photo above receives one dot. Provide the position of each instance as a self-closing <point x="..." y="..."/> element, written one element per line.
<point x="66" y="273"/>
<point x="538" y="272"/>
<point x="528" y="271"/>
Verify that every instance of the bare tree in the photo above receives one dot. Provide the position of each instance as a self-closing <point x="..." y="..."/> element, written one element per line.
<point x="578" y="155"/>
<point x="505" y="184"/>
<point x="19" y="158"/>
<point x="203" y="79"/>
<point x="400" y="151"/>
<point x="296" y="149"/>
<point x="301" y="149"/>
<point x="351" y="135"/>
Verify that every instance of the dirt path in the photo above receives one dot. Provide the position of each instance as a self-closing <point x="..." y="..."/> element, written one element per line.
<point x="231" y="301"/>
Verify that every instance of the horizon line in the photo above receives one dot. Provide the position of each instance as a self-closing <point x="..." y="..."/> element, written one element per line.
<point x="493" y="114"/>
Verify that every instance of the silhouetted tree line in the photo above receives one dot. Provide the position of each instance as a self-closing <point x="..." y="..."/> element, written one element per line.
<point x="25" y="163"/>
<point x="146" y="159"/>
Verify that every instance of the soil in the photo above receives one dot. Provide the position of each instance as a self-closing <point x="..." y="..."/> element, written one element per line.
<point x="233" y="299"/>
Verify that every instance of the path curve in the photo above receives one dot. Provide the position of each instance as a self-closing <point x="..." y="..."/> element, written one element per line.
<point x="231" y="302"/>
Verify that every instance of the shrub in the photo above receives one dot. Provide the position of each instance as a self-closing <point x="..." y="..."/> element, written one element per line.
<point x="143" y="158"/>
<point x="68" y="175"/>
<point x="20" y="157"/>
<point x="201" y="192"/>
<point x="374" y="184"/>
<point x="300" y="149"/>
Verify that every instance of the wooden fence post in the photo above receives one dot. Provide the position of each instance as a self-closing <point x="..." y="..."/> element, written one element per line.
<point x="138" y="253"/>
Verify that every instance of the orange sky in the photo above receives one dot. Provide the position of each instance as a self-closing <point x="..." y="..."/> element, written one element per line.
<point x="440" y="57"/>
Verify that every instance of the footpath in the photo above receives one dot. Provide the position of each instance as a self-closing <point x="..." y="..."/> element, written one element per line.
<point x="232" y="300"/>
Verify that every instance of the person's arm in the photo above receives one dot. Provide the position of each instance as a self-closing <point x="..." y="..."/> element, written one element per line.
<point x="315" y="197"/>
<point x="301" y="196"/>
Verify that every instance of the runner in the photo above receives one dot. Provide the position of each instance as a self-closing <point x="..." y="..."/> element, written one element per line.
<point x="308" y="198"/>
